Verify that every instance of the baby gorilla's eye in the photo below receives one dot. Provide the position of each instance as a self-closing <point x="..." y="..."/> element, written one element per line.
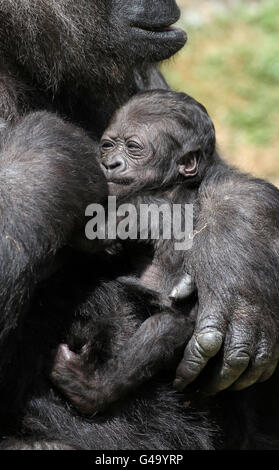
<point x="132" y="145"/>
<point x="107" y="144"/>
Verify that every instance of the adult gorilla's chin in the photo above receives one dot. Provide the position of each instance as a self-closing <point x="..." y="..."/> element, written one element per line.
<point x="64" y="43"/>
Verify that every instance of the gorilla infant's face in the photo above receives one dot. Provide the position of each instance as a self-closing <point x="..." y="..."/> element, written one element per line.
<point x="127" y="155"/>
<point x="139" y="151"/>
<point x="157" y="140"/>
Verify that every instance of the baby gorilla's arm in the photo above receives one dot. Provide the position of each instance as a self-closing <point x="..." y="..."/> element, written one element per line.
<point x="152" y="348"/>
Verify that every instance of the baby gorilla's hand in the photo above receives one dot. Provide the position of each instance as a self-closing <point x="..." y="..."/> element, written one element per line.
<point x="153" y="347"/>
<point x="70" y="376"/>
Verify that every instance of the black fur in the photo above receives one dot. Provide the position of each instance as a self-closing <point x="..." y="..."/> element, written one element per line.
<point x="72" y="60"/>
<point x="81" y="61"/>
<point x="69" y="308"/>
<point x="174" y="160"/>
<point x="135" y="357"/>
<point x="168" y="129"/>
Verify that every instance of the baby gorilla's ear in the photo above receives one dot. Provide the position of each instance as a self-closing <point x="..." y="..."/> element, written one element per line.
<point x="189" y="163"/>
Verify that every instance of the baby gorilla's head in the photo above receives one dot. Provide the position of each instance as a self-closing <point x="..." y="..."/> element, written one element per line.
<point x="157" y="139"/>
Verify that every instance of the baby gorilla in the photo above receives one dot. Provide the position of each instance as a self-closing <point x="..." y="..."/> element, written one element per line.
<point x="156" y="150"/>
<point x="160" y="149"/>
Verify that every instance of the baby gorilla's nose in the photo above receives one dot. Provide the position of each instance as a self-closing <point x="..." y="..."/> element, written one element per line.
<point x="113" y="164"/>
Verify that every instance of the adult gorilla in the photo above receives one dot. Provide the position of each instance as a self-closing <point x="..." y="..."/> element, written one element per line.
<point x="82" y="59"/>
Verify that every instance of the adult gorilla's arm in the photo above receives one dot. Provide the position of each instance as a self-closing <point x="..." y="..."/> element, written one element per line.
<point x="236" y="267"/>
<point x="48" y="175"/>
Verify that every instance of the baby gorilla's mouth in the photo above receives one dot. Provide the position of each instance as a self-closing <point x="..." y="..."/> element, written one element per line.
<point x="120" y="186"/>
<point x="121" y="181"/>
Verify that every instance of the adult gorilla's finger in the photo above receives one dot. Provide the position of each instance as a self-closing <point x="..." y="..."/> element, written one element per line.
<point x="232" y="368"/>
<point x="269" y="371"/>
<point x="201" y="347"/>
<point x="262" y="367"/>
<point x="236" y="358"/>
<point x="272" y="365"/>
<point x="253" y="373"/>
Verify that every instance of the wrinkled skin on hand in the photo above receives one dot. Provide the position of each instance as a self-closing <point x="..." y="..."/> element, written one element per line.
<point x="247" y="352"/>
<point x="235" y="256"/>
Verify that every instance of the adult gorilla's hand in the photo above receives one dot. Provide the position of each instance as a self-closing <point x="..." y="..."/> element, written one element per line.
<point x="234" y="262"/>
<point x="247" y="347"/>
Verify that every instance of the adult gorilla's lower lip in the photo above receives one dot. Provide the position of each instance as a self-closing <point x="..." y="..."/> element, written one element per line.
<point x="161" y="32"/>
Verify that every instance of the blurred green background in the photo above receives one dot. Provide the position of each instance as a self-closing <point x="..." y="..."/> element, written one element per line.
<point x="231" y="65"/>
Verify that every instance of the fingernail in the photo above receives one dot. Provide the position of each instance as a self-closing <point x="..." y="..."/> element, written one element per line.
<point x="173" y="293"/>
<point x="66" y="351"/>
<point x="179" y="384"/>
